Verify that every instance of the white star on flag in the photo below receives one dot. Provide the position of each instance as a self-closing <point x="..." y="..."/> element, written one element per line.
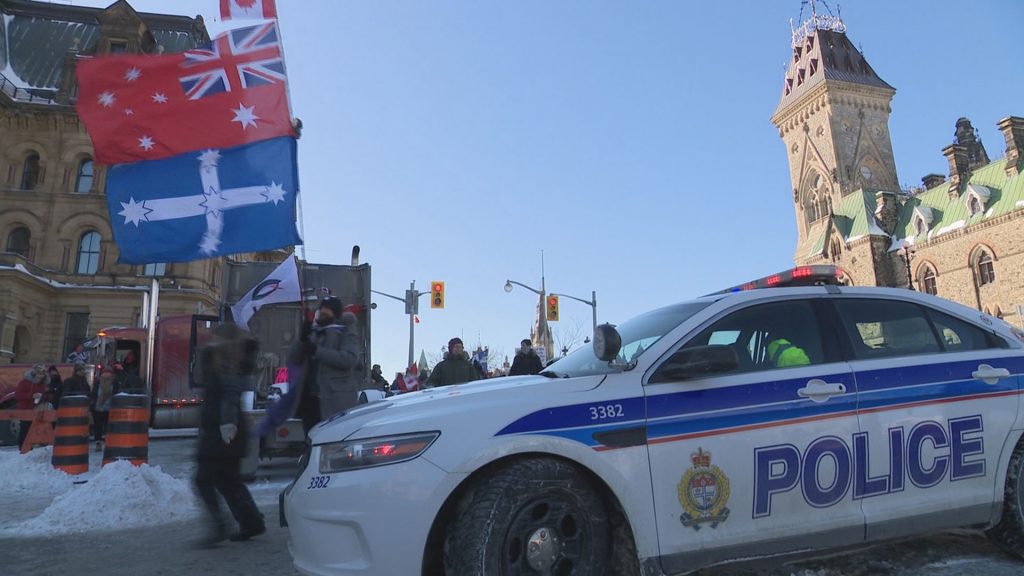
<point x="146" y="143"/>
<point x="133" y="211"/>
<point x="128" y="111"/>
<point x="107" y="99"/>
<point x="160" y="98"/>
<point x="209" y="157"/>
<point x="274" y="193"/>
<point x="245" y="116"/>
<point x="132" y="74"/>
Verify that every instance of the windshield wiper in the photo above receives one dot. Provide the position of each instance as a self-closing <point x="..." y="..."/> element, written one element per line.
<point x="553" y="374"/>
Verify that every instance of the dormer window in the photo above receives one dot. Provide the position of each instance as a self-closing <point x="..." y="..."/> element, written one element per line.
<point x="800" y="76"/>
<point x="977" y="198"/>
<point x="118" y="46"/>
<point x="922" y="219"/>
<point x="814" y="66"/>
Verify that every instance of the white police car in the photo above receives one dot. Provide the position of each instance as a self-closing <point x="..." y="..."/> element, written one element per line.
<point x="687" y="436"/>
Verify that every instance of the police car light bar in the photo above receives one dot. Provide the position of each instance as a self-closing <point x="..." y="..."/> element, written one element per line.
<point x="814" y="275"/>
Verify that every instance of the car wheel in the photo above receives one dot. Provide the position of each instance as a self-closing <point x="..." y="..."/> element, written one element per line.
<point x="1008" y="534"/>
<point x="538" y="516"/>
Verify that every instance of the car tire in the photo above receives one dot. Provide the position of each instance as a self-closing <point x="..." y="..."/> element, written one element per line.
<point x="1008" y="534"/>
<point x="537" y="516"/>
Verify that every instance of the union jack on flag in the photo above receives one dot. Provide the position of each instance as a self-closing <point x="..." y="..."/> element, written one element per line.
<point x="243" y="58"/>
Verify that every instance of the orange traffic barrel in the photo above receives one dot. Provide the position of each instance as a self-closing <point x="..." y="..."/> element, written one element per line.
<point x="71" y="439"/>
<point x="128" y="430"/>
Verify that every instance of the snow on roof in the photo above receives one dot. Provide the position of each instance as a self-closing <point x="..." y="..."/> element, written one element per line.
<point x="22" y="269"/>
<point x="119" y="496"/>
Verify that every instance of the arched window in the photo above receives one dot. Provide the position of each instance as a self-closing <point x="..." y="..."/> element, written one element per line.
<point x="156" y="269"/>
<point x="84" y="176"/>
<point x="927" y="283"/>
<point x="30" y="172"/>
<point x="974" y="205"/>
<point x="88" y="253"/>
<point x="986" y="273"/>
<point x="17" y="241"/>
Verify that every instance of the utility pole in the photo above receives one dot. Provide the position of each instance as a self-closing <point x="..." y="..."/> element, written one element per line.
<point x="412" y="308"/>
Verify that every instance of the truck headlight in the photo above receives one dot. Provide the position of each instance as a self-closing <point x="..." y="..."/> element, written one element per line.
<point x="366" y="452"/>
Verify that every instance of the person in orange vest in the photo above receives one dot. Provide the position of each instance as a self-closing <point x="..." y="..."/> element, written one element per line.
<point x="29" y="395"/>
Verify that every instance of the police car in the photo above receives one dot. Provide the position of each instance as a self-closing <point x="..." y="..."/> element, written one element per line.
<point x="680" y="440"/>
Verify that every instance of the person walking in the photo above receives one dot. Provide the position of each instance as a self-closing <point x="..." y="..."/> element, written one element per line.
<point x="455" y="368"/>
<point x="29" y="394"/>
<point x="526" y="361"/>
<point x="333" y="356"/>
<point x="226" y="369"/>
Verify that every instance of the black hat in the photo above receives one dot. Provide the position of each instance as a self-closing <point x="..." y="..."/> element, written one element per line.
<point x="333" y="304"/>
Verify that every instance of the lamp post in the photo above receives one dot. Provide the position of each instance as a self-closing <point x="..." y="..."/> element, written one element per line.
<point x="412" y="305"/>
<point x="907" y="253"/>
<point x="543" y="331"/>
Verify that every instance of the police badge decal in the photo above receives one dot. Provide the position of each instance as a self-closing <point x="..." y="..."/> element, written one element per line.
<point x="703" y="493"/>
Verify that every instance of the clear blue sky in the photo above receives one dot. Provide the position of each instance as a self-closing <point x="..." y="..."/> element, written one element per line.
<point x="630" y="141"/>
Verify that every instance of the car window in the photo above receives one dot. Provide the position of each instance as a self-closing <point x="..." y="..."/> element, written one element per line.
<point x="767" y="336"/>
<point x="880" y="328"/>
<point x="959" y="335"/>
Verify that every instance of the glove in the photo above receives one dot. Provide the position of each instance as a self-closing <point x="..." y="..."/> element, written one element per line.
<point x="37" y="397"/>
<point x="227" y="432"/>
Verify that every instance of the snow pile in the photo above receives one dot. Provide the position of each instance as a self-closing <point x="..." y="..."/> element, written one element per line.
<point x="32" y="473"/>
<point x="120" y="496"/>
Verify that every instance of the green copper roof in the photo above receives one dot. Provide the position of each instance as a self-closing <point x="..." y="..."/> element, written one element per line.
<point x="1006" y="195"/>
<point x="855" y="215"/>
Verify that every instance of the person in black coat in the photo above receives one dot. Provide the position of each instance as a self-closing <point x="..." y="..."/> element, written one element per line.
<point x="526" y="361"/>
<point x="226" y="368"/>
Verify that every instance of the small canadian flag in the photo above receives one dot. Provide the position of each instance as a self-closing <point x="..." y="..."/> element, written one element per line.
<point x="247" y="9"/>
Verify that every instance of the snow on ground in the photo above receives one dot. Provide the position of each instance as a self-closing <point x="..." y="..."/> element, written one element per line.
<point x="117" y="497"/>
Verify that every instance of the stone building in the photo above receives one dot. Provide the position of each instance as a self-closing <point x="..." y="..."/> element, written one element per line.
<point x="959" y="235"/>
<point x="59" y="276"/>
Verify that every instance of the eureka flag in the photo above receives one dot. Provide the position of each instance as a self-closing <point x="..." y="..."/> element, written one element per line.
<point x="282" y="285"/>
<point x="205" y="204"/>
<point x="247" y="9"/>
<point x="155" y="106"/>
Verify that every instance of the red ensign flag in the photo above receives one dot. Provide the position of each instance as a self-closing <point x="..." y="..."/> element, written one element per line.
<point x="229" y="93"/>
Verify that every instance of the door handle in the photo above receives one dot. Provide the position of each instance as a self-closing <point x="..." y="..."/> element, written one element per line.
<point x="819" y="391"/>
<point x="990" y="375"/>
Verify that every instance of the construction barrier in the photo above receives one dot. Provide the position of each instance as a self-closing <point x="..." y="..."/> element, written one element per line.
<point x="41" y="431"/>
<point x="71" y="438"/>
<point x="128" y="430"/>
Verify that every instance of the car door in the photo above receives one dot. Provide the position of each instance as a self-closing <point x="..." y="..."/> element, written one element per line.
<point x="938" y="396"/>
<point x="752" y="457"/>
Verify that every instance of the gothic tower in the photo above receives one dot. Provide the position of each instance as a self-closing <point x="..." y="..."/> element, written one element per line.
<point x="834" y="119"/>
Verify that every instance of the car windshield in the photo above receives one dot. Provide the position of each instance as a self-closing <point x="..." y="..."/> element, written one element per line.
<point x="638" y="335"/>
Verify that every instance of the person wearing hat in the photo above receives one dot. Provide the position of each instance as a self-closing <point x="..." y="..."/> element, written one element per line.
<point x="29" y="395"/>
<point x="334" y="359"/>
<point x="455" y="368"/>
<point x="77" y="385"/>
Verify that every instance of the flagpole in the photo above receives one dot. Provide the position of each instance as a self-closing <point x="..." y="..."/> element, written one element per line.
<point x="154" y="302"/>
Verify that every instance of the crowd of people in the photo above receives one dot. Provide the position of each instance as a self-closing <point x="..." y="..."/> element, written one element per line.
<point x="42" y="387"/>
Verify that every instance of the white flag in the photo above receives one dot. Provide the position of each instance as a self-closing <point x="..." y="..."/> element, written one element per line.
<point x="282" y="285"/>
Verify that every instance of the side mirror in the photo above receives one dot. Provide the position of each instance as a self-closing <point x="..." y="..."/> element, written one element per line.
<point x="696" y="362"/>
<point x="607" y="342"/>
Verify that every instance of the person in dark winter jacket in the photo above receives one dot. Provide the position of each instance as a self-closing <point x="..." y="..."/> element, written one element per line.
<point x="226" y="368"/>
<point x="76" y="385"/>
<point x="455" y="368"/>
<point x="526" y="361"/>
<point x="56" y="388"/>
<point x="333" y="356"/>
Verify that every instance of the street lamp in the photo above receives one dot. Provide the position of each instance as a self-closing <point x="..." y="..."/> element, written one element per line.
<point x="907" y="253"/>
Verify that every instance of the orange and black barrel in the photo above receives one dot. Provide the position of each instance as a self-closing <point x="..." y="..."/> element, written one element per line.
<point x="71" y="438"/>
<point x="128" y="430"/>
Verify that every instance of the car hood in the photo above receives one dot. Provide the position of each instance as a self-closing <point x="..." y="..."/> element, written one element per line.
<point x="497" y="400"/>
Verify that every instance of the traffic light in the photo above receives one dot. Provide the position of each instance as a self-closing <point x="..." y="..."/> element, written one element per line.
<point x="552" y="308"/>
<point x="437" y="294"/>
